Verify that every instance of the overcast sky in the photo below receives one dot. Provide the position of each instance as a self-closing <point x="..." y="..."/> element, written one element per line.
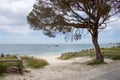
<point x="15" y="30"/>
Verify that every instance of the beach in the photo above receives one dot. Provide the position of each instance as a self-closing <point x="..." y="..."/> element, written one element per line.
<point x="60" y="40"/>
<point x="73" y="69"/>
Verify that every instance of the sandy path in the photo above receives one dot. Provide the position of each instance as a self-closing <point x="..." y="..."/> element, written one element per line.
<point x="73" y="69"/>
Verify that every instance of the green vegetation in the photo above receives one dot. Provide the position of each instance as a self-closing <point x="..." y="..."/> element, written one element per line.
<point x="29" y="61"/>
<point x="69" y="55"/>
<point x="65" y="57"/>
<point x="8" y="57"/>
<point x="2" y="68"/>
<point x="34" y="62"/>
<point x="95" y="62"/>
<point x="111" y="53"/>
<point x="4" y="65"/>
<point x="8" y="64"/>
<point x="116" y="57"/>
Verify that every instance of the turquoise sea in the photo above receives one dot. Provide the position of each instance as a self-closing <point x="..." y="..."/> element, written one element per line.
<point x="45" y="49"/>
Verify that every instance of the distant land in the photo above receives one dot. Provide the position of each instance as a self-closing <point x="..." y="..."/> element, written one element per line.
<point x="115" y="43"/>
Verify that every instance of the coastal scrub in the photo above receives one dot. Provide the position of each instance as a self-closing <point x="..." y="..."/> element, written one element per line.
<point x="34" y="62"/>
<point x="2" y="68"/>
<point x="110" y="53"/>
<point x="95" y="62"/>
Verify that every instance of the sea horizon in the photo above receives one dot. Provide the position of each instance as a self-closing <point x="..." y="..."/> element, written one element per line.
<point x="45" y="49"/>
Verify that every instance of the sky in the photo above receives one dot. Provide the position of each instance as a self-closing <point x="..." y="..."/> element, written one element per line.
<point x="14" y="28"/>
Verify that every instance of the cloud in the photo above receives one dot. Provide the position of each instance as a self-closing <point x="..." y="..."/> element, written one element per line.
<point x="13" y="20"/>
<point x="23" y="30"/>
<point x="16" y="6"/>
<point x="112" y="26"/>
<point x="13" y="15"/>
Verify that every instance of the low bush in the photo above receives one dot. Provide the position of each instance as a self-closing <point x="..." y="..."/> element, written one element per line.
<point x="116" y="57"/>
<point x="64" y="57"/>
<point x="2" y="68"/>
<point x="34" y="62"/>
<point x="95" y="62"/>
<point x="8" y="57"/>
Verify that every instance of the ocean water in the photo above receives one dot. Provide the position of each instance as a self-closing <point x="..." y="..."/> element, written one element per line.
<point x="45" y="49"/>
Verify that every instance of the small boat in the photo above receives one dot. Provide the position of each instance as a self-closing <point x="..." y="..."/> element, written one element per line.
<point x="54" y="45"/>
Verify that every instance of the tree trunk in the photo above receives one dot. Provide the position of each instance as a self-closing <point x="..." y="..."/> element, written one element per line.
<point x="99" y="55"/>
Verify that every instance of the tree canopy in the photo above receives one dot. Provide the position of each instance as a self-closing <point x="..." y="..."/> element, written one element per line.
<point x="116" y="6"/>
<point x="69" y="17"/>
<point x="53" y="16"/>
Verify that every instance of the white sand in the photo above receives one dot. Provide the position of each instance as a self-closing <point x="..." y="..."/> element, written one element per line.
<point x="74" y="69"/>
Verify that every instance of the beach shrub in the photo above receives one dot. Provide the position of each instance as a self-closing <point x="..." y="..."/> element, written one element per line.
<point x="4" y="65"/>
<point x="2" y="55"/>
<point x="34" y="62"/>
<point x="95" y="62"/>
<point x="9" y="57"/>
<point x="116" y="57"/>
<point x="69" y="55"/>
<point x="2" y="68"/>
<point x="65" y="57"/>
<point x="110" y="53"/>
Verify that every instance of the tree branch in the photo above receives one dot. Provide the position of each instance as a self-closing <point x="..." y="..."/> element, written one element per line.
<point x="76" y="25"/>
<point x="76" y="13"/>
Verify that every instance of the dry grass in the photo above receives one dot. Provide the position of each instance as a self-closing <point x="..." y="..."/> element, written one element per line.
<point x="34" y="62"/>
<point x="111" y="53"/>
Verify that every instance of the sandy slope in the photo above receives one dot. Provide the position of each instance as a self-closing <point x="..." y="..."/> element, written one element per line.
<point x="73" y="69"/>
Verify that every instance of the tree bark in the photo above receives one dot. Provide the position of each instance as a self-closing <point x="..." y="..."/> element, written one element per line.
<point x="99" y="55"/>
